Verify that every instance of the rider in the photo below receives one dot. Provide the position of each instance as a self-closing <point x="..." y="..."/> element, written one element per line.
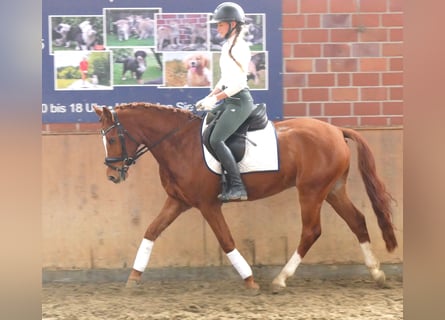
<point x="232" y="88"/>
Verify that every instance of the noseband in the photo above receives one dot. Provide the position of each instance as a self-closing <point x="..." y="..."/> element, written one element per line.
<point x="126" y="160"/>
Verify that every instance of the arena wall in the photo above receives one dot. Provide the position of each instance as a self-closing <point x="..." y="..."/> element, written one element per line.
<point x="89" y="222"/>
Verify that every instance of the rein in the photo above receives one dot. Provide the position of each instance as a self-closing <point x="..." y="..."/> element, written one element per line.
<point x="126" y="160"/>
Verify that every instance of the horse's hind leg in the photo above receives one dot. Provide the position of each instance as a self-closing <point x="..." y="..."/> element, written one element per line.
<point x="341" y="203"/>
<point x="171" y="210"/>
<point x="310" y="201"/>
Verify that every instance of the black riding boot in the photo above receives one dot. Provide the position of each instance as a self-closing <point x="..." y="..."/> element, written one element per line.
<point x="235" y="189"/>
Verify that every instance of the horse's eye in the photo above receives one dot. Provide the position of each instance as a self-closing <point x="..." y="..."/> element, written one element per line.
<point x="111" y="140"/>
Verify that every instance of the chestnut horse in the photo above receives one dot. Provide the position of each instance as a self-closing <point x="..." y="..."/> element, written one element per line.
<point x="314" y="158"/>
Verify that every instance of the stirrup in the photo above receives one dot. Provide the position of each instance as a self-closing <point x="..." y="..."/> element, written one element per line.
<point x="233" y="196"/>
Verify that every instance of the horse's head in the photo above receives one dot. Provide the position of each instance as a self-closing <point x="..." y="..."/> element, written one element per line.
<point x="121" y="149"/>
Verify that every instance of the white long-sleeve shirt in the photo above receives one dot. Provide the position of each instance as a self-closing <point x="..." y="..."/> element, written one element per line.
<point x="234" y="78"/>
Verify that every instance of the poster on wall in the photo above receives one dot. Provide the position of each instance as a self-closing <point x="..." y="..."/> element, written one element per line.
<point x="108" y="52"/>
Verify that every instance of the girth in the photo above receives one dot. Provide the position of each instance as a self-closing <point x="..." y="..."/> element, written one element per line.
<point x="237" y="141"/>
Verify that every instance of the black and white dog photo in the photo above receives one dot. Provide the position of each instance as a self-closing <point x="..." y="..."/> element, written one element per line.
<point x="83" y="35"/>
<point x="256" y="64"/>
<point x="136" y="65"/>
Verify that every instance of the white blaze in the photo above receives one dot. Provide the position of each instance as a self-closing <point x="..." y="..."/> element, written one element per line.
<point x="104" y="140"/>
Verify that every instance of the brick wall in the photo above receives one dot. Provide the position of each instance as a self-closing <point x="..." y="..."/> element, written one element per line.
<point x="343" y="62"/>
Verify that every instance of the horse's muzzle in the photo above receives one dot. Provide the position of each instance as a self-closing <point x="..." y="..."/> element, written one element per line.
<point x="114" y="179"/>
<point x="117" y="175"/>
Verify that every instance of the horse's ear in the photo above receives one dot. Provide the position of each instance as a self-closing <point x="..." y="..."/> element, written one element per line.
<point x="99" y="110"/>
<point x="103" y="112"/>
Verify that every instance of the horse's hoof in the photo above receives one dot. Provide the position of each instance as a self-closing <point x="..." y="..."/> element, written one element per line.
<point x="252" y="291"/>
<point x="380" y="278"/>
<point x="277" y="288"/>
<point x="251" y="287"/>
<point x="133" y="283"/>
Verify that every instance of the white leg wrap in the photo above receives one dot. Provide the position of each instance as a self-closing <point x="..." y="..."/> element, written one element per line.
<point x="370" y="260"/>
<point x="288" y="270"/>
<point x="239" y="263"/>
<point x="143" y="255"/>
<point x="373" y="264"/>
<point x="291" y="265"/>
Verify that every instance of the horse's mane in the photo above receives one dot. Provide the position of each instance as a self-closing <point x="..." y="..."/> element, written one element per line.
<point x="164" y="108"/>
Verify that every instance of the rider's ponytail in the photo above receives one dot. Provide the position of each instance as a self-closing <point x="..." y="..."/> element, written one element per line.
<point x="238" y="29"/>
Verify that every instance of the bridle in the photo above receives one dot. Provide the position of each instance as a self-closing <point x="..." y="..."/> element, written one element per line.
<point x="125" y="159"/>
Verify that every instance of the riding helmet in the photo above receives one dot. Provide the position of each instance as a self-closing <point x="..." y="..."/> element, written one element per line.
<point x="228" y="11"/>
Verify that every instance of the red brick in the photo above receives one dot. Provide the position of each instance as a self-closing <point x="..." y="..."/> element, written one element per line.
<point x="373" y="5"/>
<point x="292" y="95"/>
<point x="321" y="65"/>
<point x="374" y="94"/>
<point x="293" y="21"/>
<point x="321" y="80"/>
<point x="396" y="34"/>
<point x="325" y="119"/>
<point x="314" y="109"/>
<point x="392" y="78"/>
<point x="366" y="50"/>
<point x="392" y="20"/>
<point x="366" y="79"/>
<point x="396" y="93"/>
<point x="294" y="80"/>
<point x="313" y="21"/>
<point x="337" y="50"/>
<point x="396" y="64"/>
<point x="337" y="109"/>
<point x="290" y="6"/>
<point x="337" y="21"/>
<point x="396" y="5"/>
<point x="344" y="94"/>
<point x="367" y="20"/>
<point x="314" y="35"/>
<point x="374" y="35"/>
<point x="343" y="65"/>
<point x="343" y="6"/>
<point x="374" y="121"/>
<point x="61" y="127"/>
<point x="89" y="127"/>
<point x="298" y="65"/>
<point x="290" y="35"/>
<point x="344" y="121"/>
<point x="366" y="108"/>
<point x="393" y="49"/>
<point x="373" y="64"/>
<point x="343" y="35"/>
<point x="307" y="50"/>
<point x="294" y="110"/>
<point x="396" y="121"/>
<point x="315" y="94"/>
<point x="343" y="79"/>
<point x="288" y="51"/>
<point x="392" y="108"/>
<point x="313" y="6"/>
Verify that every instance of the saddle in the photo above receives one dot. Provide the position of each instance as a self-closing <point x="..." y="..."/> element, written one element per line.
<point x="257" y="120"/>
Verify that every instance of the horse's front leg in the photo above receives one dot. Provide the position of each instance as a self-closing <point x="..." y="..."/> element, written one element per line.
<point x="171" y="210"/>
<point x="217" y="223"/>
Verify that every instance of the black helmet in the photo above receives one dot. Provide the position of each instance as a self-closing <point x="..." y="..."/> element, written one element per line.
<point x="228" y="11"/>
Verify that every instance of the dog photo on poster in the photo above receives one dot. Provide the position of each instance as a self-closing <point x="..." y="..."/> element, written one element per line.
<point x="167" y="52"/>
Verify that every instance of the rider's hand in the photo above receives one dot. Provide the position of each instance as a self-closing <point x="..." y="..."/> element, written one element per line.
<point x="207" y="103"/>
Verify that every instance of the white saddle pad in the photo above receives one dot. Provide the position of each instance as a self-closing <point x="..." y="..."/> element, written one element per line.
<point x="260" y="157"/>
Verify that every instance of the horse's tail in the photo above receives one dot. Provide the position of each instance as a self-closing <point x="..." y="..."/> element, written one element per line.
<point x="375" y="188"/>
